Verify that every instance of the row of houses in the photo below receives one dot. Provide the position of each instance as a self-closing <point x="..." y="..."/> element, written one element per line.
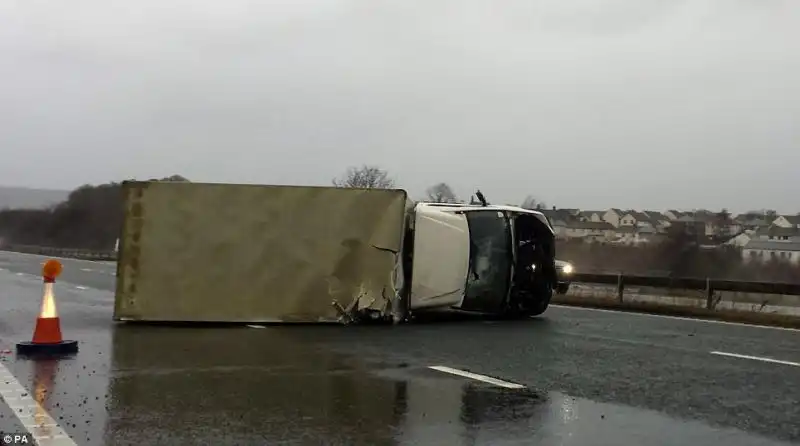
<point x="761" y="237"/>
<point x="628" y="226"/>
<point x="777" y="241"/>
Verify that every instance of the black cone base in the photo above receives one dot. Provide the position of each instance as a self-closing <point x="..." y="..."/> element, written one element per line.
<point x="56" y="349"/>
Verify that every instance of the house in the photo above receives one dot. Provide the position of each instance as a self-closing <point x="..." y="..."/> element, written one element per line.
<point x="571" y="211"/>
<point x="777" y="234"/>
<point x="564" y="216"/>
<point x="787" y="221"/>
<point x="656" y="215"/>
<point x="639" y="219"/>
<point x="673" y="215"/>
<point x="708" y="221"/>
<point x="751" y="221"/>
<point x="766" y="250"/>
<point x="741" y="239"/>
<point x="560" y="229"/>
<point x="613" y="216"/>
<point x="689" y="226"/>
<point x="719" y="224"/>
<point x="733" y="228"/>
<point x="632" y="235"/>
<point x="589" y="231"/>
<point x="593" y="216"/>
<point x="660" y="220"/>
<point x="629" y="218"/>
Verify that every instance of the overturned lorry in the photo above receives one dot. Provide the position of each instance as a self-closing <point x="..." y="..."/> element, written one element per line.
<point x="205" y="252"/>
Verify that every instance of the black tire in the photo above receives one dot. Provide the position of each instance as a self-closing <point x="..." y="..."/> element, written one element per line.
<point x="532" y="304"/>
<point x="544" y="294"/>
<point x="562" y="288"/>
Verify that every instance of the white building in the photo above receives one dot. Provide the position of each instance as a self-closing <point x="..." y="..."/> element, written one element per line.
<point x="773" y="243"/>
<point x="764" y="251"/>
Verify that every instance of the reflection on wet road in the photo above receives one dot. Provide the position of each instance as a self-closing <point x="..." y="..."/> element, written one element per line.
<point x="589" y="378"/>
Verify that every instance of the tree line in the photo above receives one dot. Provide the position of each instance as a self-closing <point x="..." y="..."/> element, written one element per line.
<point x="90" y="218"/>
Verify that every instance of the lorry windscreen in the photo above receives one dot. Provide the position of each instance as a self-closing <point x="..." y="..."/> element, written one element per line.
<point x="491" y="260"/>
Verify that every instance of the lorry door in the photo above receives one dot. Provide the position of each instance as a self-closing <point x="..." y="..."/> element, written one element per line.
<point x="440" y="258"/>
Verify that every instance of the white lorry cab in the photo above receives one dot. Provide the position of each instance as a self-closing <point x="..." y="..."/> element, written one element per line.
<point x="482" y="258"/>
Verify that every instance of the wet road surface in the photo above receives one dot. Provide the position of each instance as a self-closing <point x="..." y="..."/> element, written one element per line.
<point x="587" y="378"/>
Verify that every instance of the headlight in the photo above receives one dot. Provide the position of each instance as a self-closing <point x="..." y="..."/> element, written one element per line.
<point x="567" y="269"/>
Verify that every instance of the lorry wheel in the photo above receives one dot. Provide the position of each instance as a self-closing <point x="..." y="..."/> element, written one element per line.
<point x="539" y="304"/>
<point x="533" y="303"/>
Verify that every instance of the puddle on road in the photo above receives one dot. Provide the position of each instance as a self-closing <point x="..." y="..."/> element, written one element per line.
<point x="246" y="386"/>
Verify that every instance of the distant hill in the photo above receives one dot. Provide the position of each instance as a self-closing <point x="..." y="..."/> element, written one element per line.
<point x="22" y="197"/>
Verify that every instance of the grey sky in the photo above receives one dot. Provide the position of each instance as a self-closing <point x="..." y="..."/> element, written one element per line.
<point x="583" y="103"/>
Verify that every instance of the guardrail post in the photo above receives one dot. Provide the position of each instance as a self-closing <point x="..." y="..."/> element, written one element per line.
<point x="620" y="286"/>
<point x="709" y="295"/>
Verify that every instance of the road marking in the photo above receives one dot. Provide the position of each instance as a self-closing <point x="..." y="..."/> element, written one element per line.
<point x="477" y="377"/>
<point x="681" y="318"/>
<point x="81" y="287"/>
<point x="256" y="326"/>
<point x="52" y="432"/>
<point x="757" y="358"/>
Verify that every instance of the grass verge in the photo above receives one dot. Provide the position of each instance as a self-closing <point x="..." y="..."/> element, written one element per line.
<point x="743" y="317"/>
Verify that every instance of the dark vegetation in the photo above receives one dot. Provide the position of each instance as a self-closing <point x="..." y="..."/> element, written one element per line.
<point x="90" y="218"/>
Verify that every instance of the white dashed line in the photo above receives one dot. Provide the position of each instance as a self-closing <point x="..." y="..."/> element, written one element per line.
<point x="30" y="413"/>
<point x="757" y="358"/>
<point x="256" y="326"/>
<point x="477" y="377"/>
<point x="81" y="287"/>
<point x="680" y="318"/>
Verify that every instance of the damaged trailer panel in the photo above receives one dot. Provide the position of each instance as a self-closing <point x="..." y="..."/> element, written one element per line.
<point x="202" y="252"/>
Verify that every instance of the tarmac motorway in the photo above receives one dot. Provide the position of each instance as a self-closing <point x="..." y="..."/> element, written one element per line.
<point x="572" y="377"/>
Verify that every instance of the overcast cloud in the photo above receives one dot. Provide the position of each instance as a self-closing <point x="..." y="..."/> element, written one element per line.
<point x="590" y="103"/>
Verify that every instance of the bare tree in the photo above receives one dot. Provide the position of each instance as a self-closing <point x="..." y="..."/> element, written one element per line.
<point x="368" y="177"/>
<point x="680" y="247"/>
<point x="441" y="193"/>
<point x="172" y="178"/>
<point x="532" y="203"/>
<point x="770" y="215"/>
<point x="722" y="223"/>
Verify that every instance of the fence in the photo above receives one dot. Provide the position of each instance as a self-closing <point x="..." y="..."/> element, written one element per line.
<point x="767" y="303"/>
<point x="74" y="253"/>
<point x="708" y="286"/>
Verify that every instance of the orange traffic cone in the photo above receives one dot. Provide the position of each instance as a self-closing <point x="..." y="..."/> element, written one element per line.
<point x="47" y="334"/>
